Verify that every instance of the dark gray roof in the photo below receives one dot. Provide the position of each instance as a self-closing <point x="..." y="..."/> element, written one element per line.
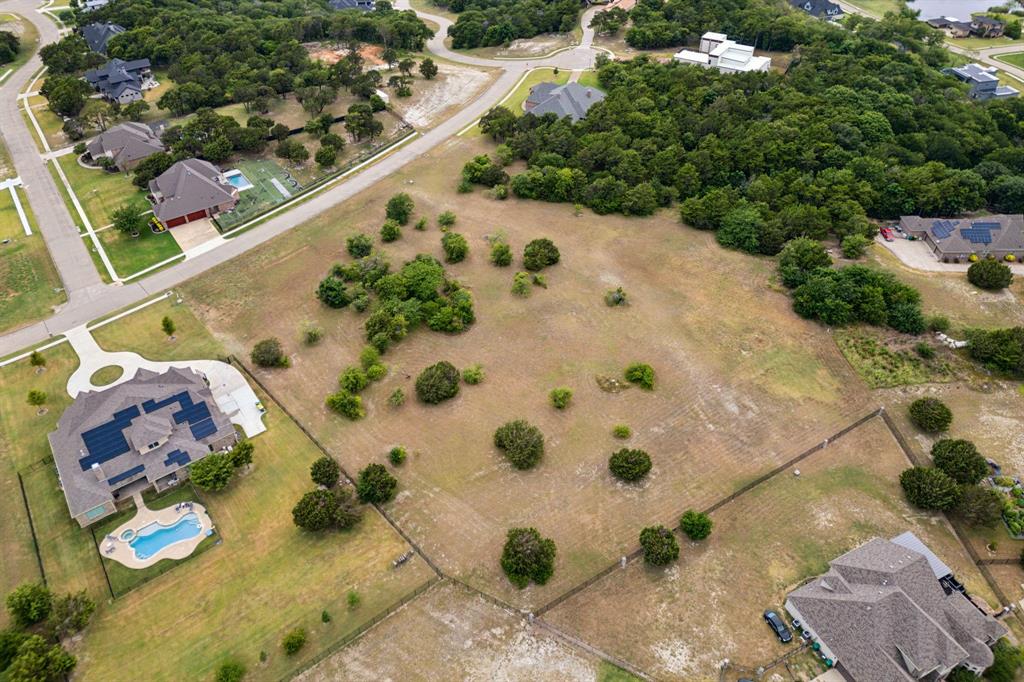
<point x="361" y="5"/>
<point x="98" y="35"/>
<point x="882" y="612"/>
<point x="126" y="143"/>
<point x="117" y="75"/>
<point x="572" y="100"/>
<point x="988" y="234"/>
<point x="818" y="8"/>
<point x="188" y="186"/>
<point x="96" y="446"/>
<point x="986" y="20"/>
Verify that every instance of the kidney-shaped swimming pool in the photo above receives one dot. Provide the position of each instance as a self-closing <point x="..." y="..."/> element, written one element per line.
<point x="151" y="539"/>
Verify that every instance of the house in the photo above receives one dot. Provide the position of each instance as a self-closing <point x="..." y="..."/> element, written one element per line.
<point x="121" y="81"/>
<point x="983" y="81"/>
<point x="98" y="35"/>
<point x="90" y="5"/>
<point x="985" y="26"/>
<point x="190" y="190"/>
<point x="821" y="9"/>
<point x="361" y="5"/>
<point x="137" y="435"/>
<point x="127" y="144"/>
<point x="728" y="56"/>
<point x="953" y="27"/>
<point x="995" y="236"/>
<point x="572" y="100"/>
<point x="882" y="614"/>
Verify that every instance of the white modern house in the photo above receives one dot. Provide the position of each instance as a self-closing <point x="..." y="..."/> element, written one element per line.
<point x="728" y="56"/>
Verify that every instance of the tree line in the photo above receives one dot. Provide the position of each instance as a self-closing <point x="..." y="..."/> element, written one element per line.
<point x="483" y="23"/>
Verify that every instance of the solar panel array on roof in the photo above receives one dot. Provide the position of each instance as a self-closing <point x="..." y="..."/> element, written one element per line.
<point x="177" y="457"/>
<point x="107" y="441"/>
<point x="126" y="475"/>
<point x="192" y="413"/>
<point x="986" y="225"/>
<point x="942" y="228"/>
<point x="182" y="399"/>
<point x="976" y="235"/>
<point x="203" y="429"/>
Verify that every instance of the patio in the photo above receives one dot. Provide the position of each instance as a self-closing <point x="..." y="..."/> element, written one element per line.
<point x="118" y="545"/>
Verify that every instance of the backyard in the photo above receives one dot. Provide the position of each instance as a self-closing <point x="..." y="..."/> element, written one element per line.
<point x="29" y="284"/>
<point x="733" y="399"/>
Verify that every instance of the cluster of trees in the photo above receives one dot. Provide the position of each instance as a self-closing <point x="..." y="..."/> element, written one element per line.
<point x="1000" y="350"/>
<point x="213" y="472"/>
<point x="482" y="23"/>
<point x="330" y="506"/>
<point x="352" y="380"/>
<point x="856" y="129"/>
<point x="768" y="25"/>
<point x="30" y="650"/>
<point x="952" y="484"/>
<point x="9" y="45"/>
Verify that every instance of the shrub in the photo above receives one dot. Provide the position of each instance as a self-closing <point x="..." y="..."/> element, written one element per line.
<point x="446" y="219"/>
<point x="333" y="293"/>
<point x="527" y="556"/>
<point x="369" y="356"/>
<point x="397" y="455"/>
<point x="312" y="333"/>
<point x="1007" y="661"/>
<point x="521" y="442"/>
<point x="928" y="488"/>
<point x="36" y="398"/>
<point x="622" y="431"/>
<point x="10" y="641"/>
<point x="629" y="465"/>
<point x="473" y="375"/>
<point x="268" y="353"/>
<point x="980" y="506"/>
<point x="1001" y="350"/>
<point x="420" y="225"/>
<point x="390" y="231"/>
<point x="321" y="509"/>
<point x="615" y="297"/>
<point x="397" y="398"/>
<point x="697" y="525"/>
<point x="80" y="148"/>
<point x="37" y="359"/>
<point x="213" y="472"/>
<point x="325" y="617"/>
<point x="521" y="284"/>
<point x="854" y="245"/>
<point x="376" y="372"/>
<point x="437" y="383"/>
<point x="659" y="545"/>
<point x="294" y="641"/>
<point x="641" y="374"/>
<point x="930" y="415"/>
<point x="37" y="660"/>
<point x="68" y="615"/>
<point x="359" y="245"/>
<point x="353" y="379"/>
<point x="230" y="671"/>
<point x="352" y="599"/>
<point x="464" y="186"/>
<point x="29" y="603"/>
<point x="241" y="453"/>
<point x="989" y="274"/>
<point x="400" y="208"/>
<point x="560" y="398"/>
<point x="924" y="351"/>
<point x="937" y="323"/>
<point x="960" y="460"/>
<point x="455" y="247"/>
<point x="539" y="280"/>
<point x="501" y="254"/>
<point x="375" y="485"/>
<point x="346" y="404"/>
<point x="325" y="471"/>
<point x="539" y="254"/>
<point x="799" y="258"/>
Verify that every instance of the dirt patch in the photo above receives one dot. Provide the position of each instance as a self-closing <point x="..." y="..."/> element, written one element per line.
<point x="432" y="100"/>
<point x="329" y="53"/>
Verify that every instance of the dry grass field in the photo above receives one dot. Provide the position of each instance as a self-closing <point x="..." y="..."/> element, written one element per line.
<point x="682" y="621"/>
<point x="742" y="386"/>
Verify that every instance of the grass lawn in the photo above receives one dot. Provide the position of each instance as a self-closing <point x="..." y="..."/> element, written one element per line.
<point x="141" y="332"/>
<point x="106" y="375"/>
<point x="537" y="46"/>
<point x="263" y="195"/>
<point x="131" y="254"/>
<point x="878" y="7"/>
<point x="29" y="282"/>
<point x="6" y="165"/>
<point x="588" y="79"/>
<point x="99" y="192"/>
<point x="1014" y="58"/>
<point x="51" y="124"/>
<point x="519" y="95"/>
<point x="884" y="362"/>
<point x="28" y="38"/>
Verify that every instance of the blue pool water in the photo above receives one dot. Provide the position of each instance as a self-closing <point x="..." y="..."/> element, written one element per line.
<point x="151" y="539"/>
<point x="238" y="180"/>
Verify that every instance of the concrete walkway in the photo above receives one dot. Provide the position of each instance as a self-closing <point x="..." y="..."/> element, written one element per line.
<point x="231" y="392"/>
<point x="12" y="185"/>
<point x="117" y="545"/>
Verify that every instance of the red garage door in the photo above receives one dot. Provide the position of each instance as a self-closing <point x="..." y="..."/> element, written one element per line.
<point x="195" y="216"/>
<point x="176" y="221"/>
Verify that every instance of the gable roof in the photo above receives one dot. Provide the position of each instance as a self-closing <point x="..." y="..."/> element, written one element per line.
<point x="117" y="75"/>
<point x="98" y="35"/>
<point x="818" y="8"/>
<point x="881" y="611"/>
<point x="361" y="5"/>
<point x="572" y="100"/>
<point x="985" y="20"/>
<point x="126" y="143"/>
<point x="188" y="186"/>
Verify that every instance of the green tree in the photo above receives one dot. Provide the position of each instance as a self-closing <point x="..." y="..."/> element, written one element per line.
<point x="428" y="69"/>
<point x="539" y="254"/>
<point x="960" y="460"/>
<point x="268" y="353"/>
<point x="521" y="442"/>
<point x="10" y="640"/>
<point x="37" y="359"/>
<point x="400" y="208"/>
<point x="989" y="274"/>
<point x="527" y="556"/>
<point x="359" y="245"/>
<point x="333" y="293"/>
<point x="375" y="485"/>
<point x="455" y="246"/>
<point x="230" y="671"/>
<point x="560" y="398"/>
<point x="397" y="455"/>
<point x="854" y="245"/>
<point x="294" y="641"/>
<point x="501" y="254"/>
<point x="980" y="506"/>
<point x="1008" y="660"/>
<point x="326" y="156"/>
<point x="241" y="454"/>
<point x="321" y="509"/>
<point x="629" y="465"/>
<point x="641" y="374"/>
<point x="799" y="258"/>
<point x="346" y="404"/>
<point x="325" y="471"/>
<point x="659" y="545"/>
<point x="437" y="383"/>
<point x="390" y="231"/>
<point x="39" y="661"/>
<point x="353" y="379"/>
<point x="37" y="398"/>
<point x="697" y="525"/>
<point x="930" y="415"/>
<point x="126" y="219"/>
<point x="167" y="325"/>
<point x="69" y="614"/>
<point x="29" y="603"/>
<point x="928" y="488"/>
<point x="521" y="284"/>
<point x="213" y="472"/>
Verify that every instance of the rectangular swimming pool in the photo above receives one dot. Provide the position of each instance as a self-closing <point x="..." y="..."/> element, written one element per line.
<point x="237" y="180"/>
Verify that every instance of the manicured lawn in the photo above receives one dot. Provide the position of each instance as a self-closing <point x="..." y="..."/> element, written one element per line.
<point x="588" y="79"/>
<point x="1015" y="58"/>
<point x="28" y="38"/>
<point x="515" y="101"/>
<point x="878" y="7"/>
<point x="101" y="193"/>
<point x="132" y="254"/>
<point x="141" y="332"/>
<point x="263" y="195"/>
<point x="106" y="375"/>
<point x="51" y="124"/>
<point x="29" y="283"/>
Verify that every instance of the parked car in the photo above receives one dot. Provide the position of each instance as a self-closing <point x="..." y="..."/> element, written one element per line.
<point x="778" y="627"/>
<point x="887" y="234"/>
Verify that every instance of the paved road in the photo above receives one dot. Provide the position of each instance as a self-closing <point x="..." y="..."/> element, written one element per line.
<point x="76" y="269"/>
<point x="90" y="300"/>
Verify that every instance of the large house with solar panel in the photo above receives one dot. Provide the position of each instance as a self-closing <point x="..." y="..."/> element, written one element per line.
<point x="137" y="435"/>
<point x="953" y="240"/>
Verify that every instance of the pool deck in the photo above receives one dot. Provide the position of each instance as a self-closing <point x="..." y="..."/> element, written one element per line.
<point x="113" y="547"/>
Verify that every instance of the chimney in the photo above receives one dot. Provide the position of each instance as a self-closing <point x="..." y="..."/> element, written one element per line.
<point x="98" y="471"/>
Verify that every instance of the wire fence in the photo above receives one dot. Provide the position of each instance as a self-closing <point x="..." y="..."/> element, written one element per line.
<point x="32" y="529"/>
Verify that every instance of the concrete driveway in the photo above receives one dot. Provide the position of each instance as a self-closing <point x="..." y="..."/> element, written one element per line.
<point x="917" y="255"/>
<point x="231" y="392"/>
<point x="196" y="233"/>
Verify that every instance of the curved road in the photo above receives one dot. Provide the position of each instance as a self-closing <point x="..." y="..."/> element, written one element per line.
<point x="89" y="298"/>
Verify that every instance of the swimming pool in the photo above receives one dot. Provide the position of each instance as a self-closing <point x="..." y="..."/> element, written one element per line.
<point x="237" y="180"/>
<point x="151" y="539"/>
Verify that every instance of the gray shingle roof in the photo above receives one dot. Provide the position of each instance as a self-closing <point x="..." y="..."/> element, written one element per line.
<point x="98" y="35"/>
<point x="361" y="5"/>
<point x="126" y="143"/>
<point x="86" y="486"/>
<point x="117" y="75"/>
<point x="188" y="186"/>
<point x="572" y="100"/>
<point x="884" y="615"/>
<point x="955" y="236"/>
